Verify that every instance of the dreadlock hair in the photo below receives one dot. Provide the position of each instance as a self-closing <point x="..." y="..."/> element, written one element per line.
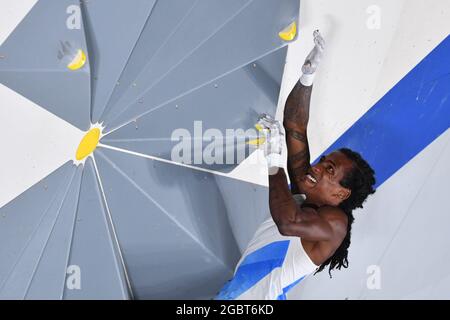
<point x="360" y="181"/>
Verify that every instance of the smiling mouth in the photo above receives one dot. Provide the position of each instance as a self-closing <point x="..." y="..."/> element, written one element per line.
<point x="310" y="178"/>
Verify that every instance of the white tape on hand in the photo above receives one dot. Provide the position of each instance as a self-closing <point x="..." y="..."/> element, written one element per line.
<point x="307" y="79"/>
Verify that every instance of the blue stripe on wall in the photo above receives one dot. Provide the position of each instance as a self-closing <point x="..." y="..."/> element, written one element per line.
<point x="253" y="268"/>
<point x="405" y="120"/>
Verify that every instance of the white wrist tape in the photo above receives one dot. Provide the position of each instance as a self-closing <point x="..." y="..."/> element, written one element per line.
<point x="307" y="79"/>
<point x="274" y="160"/>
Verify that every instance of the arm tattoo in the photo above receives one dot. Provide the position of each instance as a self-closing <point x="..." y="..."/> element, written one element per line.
<point x="296" y="116"/>
<point x="297" y="105"/>
<point x="299" y="171"/>
<point x="299" y="156"/>
<point x="297" y="135"/>
<point x="298" y="163"/>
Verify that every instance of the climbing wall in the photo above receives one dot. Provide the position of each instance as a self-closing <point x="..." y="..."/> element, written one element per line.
<point x="92" y="202"/>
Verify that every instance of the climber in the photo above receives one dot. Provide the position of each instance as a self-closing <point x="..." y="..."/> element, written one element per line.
<point x="310" y="224"/>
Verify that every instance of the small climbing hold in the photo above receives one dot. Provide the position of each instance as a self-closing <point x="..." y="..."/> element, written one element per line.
<point x="257" y="141"/>
<point x="77" y="62"/>
<point x="289" y="33"/>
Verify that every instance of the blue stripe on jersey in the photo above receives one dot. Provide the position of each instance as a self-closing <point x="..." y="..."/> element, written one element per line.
<point x="289" y="287"/>
<point x="253" y="268"/>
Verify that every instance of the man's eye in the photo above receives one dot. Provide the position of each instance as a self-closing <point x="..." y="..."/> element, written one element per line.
<point x="330" y="170"/>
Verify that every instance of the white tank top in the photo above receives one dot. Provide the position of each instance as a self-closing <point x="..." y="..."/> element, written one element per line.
<point x="271" y="265"/>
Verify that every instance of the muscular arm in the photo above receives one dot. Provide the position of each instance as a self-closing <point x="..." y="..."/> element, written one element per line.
<point x="296" y="116"/>
<point x="291" y="220"/>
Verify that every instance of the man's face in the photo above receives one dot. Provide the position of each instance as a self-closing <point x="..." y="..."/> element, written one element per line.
<point x="321" y="184"/>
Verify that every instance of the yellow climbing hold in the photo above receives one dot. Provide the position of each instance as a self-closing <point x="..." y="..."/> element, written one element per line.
<point x="258" y="127"/>
<point x="257" y="141"/>
<point x="289" y="33"/>
<point x="77" y="62"/>
<point x="88" y="144"/>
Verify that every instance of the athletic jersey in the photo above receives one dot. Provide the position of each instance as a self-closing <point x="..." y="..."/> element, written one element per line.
<point x="271" y="265"/>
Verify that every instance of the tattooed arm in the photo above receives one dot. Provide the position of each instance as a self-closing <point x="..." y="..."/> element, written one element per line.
<point x="291" y="219"/>
<point x="296" y="116"/>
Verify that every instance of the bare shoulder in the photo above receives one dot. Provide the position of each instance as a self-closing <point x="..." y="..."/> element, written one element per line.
<point x="336" y="217"/>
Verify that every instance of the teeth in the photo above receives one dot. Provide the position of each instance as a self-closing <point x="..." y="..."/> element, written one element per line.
<point x="310" y="177"/>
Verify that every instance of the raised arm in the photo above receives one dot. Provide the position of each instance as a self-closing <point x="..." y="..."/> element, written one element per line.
<point x="291" y="219"/>
<point x="296" y="116"/>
